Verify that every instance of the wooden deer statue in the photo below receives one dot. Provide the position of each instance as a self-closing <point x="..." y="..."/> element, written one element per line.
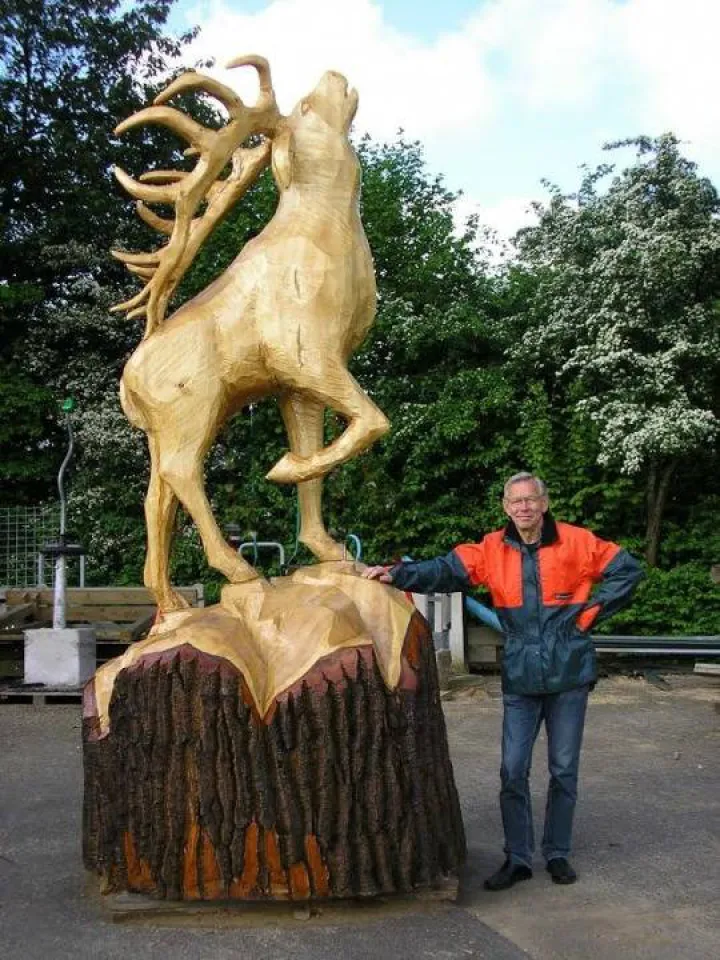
<point x="283" y="319"/>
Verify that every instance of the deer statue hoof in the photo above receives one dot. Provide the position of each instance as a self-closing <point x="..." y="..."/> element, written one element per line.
<point x="291" y="469"/>
<point x="171" y="602"/>
<point x="324" y="548"/>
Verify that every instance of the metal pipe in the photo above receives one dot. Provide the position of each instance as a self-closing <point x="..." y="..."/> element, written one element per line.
<point x="254" y="544"/>
<point x="59" y="621"/>
<point x="711" y="639"/>
<point x="668" y="651"/>
<point x="61" y="473"/>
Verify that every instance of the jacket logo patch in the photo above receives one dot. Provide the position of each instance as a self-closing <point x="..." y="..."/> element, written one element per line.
<point x="563" y="596"/>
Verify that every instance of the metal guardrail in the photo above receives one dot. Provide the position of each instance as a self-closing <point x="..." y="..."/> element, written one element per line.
<point x="668" y="646"/>
<point x="442" y="616"/>
<point x="671" y="646"/>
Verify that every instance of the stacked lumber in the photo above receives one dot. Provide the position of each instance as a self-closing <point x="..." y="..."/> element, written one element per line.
<point x="120" y="615"/>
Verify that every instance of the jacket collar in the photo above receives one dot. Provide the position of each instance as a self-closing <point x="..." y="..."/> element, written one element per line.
<point x="548" y="535"/>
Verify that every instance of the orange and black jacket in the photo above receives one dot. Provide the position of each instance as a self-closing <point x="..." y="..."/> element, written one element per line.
<point x="542" y="596"/>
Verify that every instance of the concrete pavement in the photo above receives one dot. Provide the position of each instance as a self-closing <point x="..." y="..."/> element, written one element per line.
<point x="647" y="848"/>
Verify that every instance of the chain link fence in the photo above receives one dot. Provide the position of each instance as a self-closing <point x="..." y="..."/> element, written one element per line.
<point x="23" y="531"/>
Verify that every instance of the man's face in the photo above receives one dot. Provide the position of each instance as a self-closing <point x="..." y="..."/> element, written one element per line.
<point x="524" y="505"/>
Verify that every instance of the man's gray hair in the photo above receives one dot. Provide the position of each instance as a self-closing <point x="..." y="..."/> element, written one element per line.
<point x="521" y="478"/>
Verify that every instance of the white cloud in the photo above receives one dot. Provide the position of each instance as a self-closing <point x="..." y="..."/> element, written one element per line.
<point x="402" y="82"/>
<point x="507" y="215"/>
<point x="555" y="52"/>
<point x="673" y="49"/>
<point x="503" y="219"/>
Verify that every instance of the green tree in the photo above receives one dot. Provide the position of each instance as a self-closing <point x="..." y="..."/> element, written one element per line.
<point x="69" y="71"/>
<point x="625" y="308"/>
<point x="433" y="362"/>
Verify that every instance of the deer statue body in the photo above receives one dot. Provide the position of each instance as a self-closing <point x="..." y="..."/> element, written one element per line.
<point x="283" y="319"/>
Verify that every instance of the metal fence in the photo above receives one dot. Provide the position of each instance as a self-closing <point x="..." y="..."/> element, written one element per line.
<point x="444" y="613"/>
<point x="23" y="531"/>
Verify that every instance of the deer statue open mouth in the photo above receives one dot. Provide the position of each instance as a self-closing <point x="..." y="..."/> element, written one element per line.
<point x="283" y="319"/>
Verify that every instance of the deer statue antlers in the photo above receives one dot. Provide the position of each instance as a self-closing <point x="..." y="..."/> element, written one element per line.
<point x="186" y="191"/>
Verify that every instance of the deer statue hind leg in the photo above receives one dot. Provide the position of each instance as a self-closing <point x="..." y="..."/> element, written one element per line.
<point x="182" y="438"/>
<point x="187" y="483"/>
<point x="303" y="419"/>
<point x="331" y="385"/>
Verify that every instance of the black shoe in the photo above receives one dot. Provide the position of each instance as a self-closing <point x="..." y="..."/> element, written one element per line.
<point x="561" y="871"/>
<point x="508" y="875"/>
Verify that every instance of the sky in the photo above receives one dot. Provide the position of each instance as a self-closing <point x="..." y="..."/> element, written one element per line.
<point x="501" y="93"/>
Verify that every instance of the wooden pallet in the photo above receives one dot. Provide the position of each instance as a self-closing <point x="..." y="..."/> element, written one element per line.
<point x="137" y="907"/>
<point x="37" y="695"/>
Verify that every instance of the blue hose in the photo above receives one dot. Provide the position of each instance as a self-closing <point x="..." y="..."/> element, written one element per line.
<point x="483" y="614"/>
<point x="355" y="540"/>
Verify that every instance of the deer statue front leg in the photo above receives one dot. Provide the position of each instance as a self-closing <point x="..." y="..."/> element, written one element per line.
<point x="331" y="385"/>
<point x="303" y="419"/>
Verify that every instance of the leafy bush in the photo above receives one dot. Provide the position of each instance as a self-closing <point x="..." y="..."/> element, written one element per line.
<point x="680" y="601"/>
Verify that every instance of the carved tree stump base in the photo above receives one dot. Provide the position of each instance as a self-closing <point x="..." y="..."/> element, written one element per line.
<point x="343" y="787"/>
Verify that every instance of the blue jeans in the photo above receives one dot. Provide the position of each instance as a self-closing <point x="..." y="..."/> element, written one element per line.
<point x="564" y="716"/>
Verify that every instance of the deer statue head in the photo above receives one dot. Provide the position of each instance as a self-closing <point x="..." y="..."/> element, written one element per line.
<point x="302" y="152"/>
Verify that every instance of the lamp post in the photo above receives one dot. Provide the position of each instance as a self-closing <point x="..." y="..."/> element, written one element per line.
<point x="61" y="656"/>
<point x="62" y="548"/>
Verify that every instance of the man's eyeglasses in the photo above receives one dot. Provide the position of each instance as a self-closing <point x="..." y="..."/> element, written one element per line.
<point x="519" y="501"/>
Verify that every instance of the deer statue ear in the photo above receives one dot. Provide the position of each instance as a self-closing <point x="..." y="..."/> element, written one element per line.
<point x="282" y="158"/>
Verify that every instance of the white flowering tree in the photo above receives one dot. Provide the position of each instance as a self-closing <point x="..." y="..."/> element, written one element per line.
<point x="626" y="308"/>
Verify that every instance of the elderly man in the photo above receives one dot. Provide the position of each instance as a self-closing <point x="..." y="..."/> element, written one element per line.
<point x="540" y="574"/>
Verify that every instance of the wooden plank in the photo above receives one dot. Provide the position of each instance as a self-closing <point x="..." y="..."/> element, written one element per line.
<point x="16" y="615"/>
<point x="89" y="613"/>
<point x="101" y="596"/>
<point x="138" y="629"/>
<point x="38" y="695"/>
<point x="707" y="669"/>
<point x="12" y="666"/>
<point x="10" y="639"/>
<point x="107" y="630"/>
<point x="484" y="646"/>
<point x="110" y="648"/>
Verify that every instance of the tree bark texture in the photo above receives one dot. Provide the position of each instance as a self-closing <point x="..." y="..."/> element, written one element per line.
<point x="344" y="788"/>
<point x="657" y="494"/>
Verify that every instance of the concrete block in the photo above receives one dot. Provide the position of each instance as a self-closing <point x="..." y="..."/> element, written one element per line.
<point x="59" y="658"/>
<point x="457" y="632"/>
<point x="444" y="668"/>
<point x="484" y="645"/>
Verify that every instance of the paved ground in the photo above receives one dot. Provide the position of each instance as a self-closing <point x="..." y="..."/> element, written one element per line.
<point x="647" y="849"/>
